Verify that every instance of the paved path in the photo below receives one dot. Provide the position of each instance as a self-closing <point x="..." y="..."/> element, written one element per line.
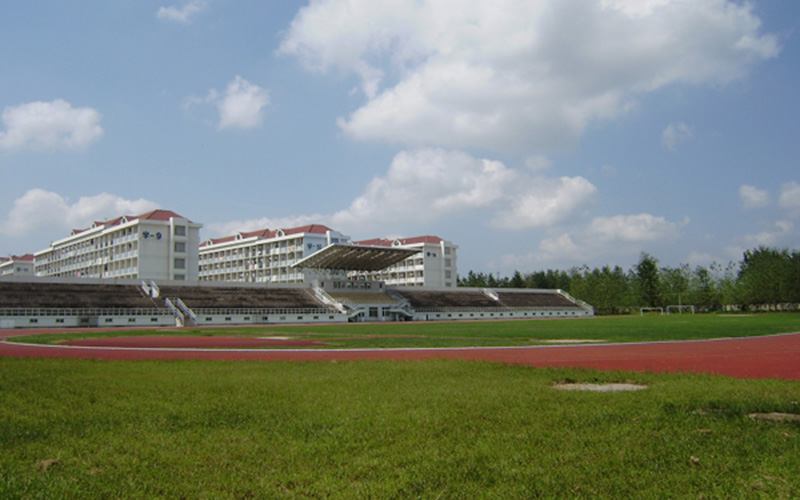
<point x="776" y="356"/>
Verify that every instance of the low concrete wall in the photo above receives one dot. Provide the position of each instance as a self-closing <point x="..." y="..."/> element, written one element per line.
<point x="271" y="319"/>
<point x="455" y="315"/>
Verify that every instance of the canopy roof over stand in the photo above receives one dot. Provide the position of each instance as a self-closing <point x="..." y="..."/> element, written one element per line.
<point x="355" y="257"/>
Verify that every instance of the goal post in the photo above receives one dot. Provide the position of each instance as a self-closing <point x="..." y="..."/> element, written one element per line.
<point x="651" y="309"/>
<point x="680" y="309"/>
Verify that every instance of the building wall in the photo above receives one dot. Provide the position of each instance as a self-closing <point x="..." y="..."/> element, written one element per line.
<point x="259" y="259"/>
<point x="136" y="248"/>
<point x="16" y="266"/>
<point x="435" y="266"/>
<point x="169" y="250"/>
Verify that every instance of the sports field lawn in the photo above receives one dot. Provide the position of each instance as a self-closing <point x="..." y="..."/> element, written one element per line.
<point x="492" y="333"/>
<point x="427" y="429"/>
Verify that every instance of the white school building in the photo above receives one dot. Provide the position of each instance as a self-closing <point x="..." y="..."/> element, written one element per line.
<point x="436" y="264"/>
<point x="163" y="245"/>
<point x="264" y="256"/>
<point x="18" y="265"/>
<point x="269" y="256"/>
<point x="159" y="244"/>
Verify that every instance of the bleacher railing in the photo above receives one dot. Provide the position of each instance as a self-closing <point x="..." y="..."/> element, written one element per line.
<point x="237" y="311"/>
<point x="185" y="310"/>
<point x="34" y="311"/>
<point x="490" y="309"/>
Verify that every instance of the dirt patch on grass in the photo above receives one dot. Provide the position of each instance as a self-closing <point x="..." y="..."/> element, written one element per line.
<point x="600" y="387"/>
<point x="775" y="417"/>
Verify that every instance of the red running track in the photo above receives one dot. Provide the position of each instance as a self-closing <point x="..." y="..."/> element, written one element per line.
<point x="776" y="356"/>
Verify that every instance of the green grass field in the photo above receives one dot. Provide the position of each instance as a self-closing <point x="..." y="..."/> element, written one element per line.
<point x="422" y="429"/>
<point x="494" y="333"/>
<point x="433" y="429"/>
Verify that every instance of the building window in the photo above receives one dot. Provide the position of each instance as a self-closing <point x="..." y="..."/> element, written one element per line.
<point x="180" y="263"/>
<point x="180" y="230"/>
<point x="180" y="246"/>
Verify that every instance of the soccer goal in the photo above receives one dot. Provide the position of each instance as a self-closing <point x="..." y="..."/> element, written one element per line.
<point x="680" y="309"/>
<point x="644" y="310"/>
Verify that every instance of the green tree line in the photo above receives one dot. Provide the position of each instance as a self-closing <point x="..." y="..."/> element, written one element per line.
<point x="765" y="277"/>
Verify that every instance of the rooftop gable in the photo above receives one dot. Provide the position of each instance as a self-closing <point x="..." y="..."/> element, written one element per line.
<point x="384" y="242"/>
<point x="157" y="215"/>
<point x="269" y="233"/>
<point x="309" y="228"/>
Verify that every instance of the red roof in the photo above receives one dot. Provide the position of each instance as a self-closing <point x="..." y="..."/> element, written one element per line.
<point x="403" y="241"/>
<point x="309" y="228"/>
<point x="157" y="214"/>
<point x="269" y="233"/>
<point x="260" y="233"/>
<point x="28" y="257"/>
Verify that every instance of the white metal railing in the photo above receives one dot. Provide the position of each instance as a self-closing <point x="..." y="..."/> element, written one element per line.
<point x="326" y="299"/>
<point x="578" y="302"/>
<point x="187" y="311"/>
<point x="457" y="309"/>
<point x="60" y="311"/>
<point x="181" y="321"/>
<point x="216" y="311"/>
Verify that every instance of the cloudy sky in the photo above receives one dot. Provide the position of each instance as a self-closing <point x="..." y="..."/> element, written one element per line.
<point x="535" y="134"/>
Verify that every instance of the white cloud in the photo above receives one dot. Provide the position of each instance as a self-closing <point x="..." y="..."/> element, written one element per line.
<point x="547" y="202"/>
<point x="240" y="106"/>
<point x="790" y="195"/>
<point x="518" y="75"/>
<point x="775" y="234"/>
<point x="49" y="125"/>
<point x="538" y="162"/>
<point x="601" y="238"/>
<point x="753" y="197"/>
<point x="217" y="229"/>
<point x="38" y="210"/>
<point x="429" y="184"/>
<point x="637" y="229"/>
<point x="701" y="259"/>
<point x="676" y="134"/>
<point x="183" y="14"/>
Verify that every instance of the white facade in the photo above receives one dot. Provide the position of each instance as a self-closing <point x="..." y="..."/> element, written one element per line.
<point x="156" y="245"/>
<point x="435" y="266"/>
<point x="17" y="265"/>
<point x="264" y="256"/>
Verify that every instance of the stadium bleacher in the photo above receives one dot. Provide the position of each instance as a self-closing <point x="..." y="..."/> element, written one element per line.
<point x="446" y="299"/>
<point x="528" y="299"/>
<point x="242" y="297"/>
<point x="71" y="302"/>
<point x="71" y="296"/>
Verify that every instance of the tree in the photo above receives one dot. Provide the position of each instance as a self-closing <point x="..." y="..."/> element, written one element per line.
<point x="674" y="284"/>
<point x="702" y="291"/>
<point x="517" y="281"/>
<point x="647" y="281"/>
<point x="769" y="276"/>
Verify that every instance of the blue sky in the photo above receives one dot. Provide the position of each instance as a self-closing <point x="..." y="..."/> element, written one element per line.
<point x="533" y="134"/>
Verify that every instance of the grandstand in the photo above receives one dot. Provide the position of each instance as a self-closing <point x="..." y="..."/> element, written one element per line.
<point x="486" y="303"/>
<point x="331" y="297"/>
